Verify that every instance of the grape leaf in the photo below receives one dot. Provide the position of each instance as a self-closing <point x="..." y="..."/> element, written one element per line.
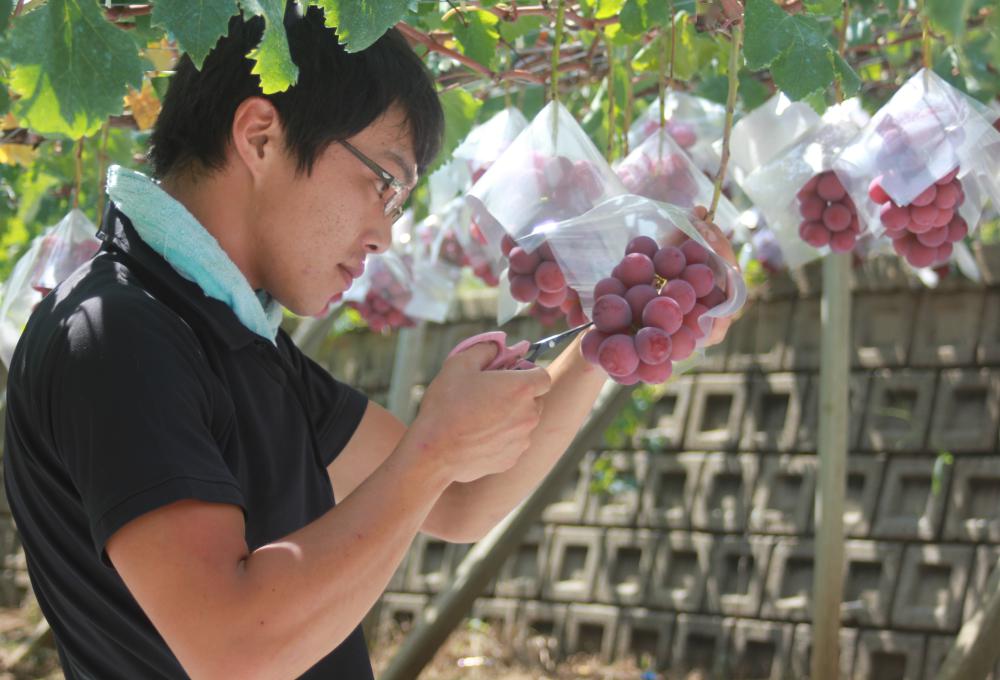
<point x="526" y="23"/>
<point x="830" y="8"/>
<point x="794" y="47"/>
<point x="273" y="61"/>
<point x="71" y="67"/>
<point x="197" y="24"/>
<point x="949" y="15"/>
<point x="360" y="23"/>
<point x="460" y="110"/>
<point x="6" y="7"/>
<point x="477" y="34"/>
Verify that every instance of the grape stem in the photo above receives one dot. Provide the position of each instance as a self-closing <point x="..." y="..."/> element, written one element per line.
<point x="734" y="85"/>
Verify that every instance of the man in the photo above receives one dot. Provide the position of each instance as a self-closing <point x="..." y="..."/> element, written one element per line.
<point x="172" y="460"/>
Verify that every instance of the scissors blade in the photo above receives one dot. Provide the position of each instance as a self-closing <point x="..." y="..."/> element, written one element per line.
<point x="548" y="343"/>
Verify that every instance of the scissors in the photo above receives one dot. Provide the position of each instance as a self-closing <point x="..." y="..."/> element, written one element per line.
<point x="520" y="355"/>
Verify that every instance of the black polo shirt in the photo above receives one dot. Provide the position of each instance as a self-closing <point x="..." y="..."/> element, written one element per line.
<point x="130" y="389"/>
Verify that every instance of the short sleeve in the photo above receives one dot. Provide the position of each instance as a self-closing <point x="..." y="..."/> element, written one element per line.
<point x="132" y="412"/>
<point x="335" y="409"/>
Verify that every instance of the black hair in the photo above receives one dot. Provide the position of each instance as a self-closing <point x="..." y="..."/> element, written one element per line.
<point x="338" y="94"/>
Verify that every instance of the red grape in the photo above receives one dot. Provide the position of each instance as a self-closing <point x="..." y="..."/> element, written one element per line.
<point x="523" y="288"/>
<point x="669" y="262"/>
<point x="829" y="188"/>
<point x="638" y="297"/>
<point x="694" y="253"/>
<point x="644" y="245"/>
<point x="701" y="278"/>
<point x="636" y="269"/>
<point x="653" y="345"/>
<point x="663" y="313"/>
<point x="612" y="314"/>
<point x="655" y="374"/>
<point x="837" y="217"/>
<point x="617" y="355"/>
<point x="682" y="292"/>
<point x="609" y="286"/>
<point x="684" y="342"/>
<point x="523" y="262"/>
<point x="549" y="278"/>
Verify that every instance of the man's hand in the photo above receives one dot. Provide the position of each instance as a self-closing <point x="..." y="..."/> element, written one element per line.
<point x="721" y="245"/>
<point x="478" y="422"/>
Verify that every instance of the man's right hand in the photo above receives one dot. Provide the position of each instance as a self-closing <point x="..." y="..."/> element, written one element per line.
<point x="475" y="423"/>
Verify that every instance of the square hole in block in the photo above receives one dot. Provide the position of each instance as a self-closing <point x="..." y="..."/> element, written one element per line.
<point x="913" y="493"/>
<point x="716" y="414"/>
<point x="863" y="579"/>
<point x="726" y="492"/>
<point x="757" y="662"/>
<point x="854" y="496"/>
<point x="526" y="561"/>
<point x="932" y="586"/>
<point x="968" y="408"/>
<point x="589" y="638"/>
<point x="739" y="569"/>
<point x="543" y="626"/>
<point x="433" y="558"/>
<point x="798" y="579"/>
<point x="682" y="570"/>
<point x="626" y="566"/>
<point x="700" y="650"/>
<point x="898" y="407"/>
<point x="773" y="411"/>
<point x="784" y="496"/>
<point x="644" y="644"/>
<point x="671" y="489"/>
<point x="984" y="497"/>
<point x="574" y="563"/>
<point x="888" y="666"/>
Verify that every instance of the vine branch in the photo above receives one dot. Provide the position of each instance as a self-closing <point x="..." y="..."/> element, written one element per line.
<point x="734" y="84"/>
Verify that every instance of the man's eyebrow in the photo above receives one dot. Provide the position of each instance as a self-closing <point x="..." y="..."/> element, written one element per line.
<point x="409" y="178"/>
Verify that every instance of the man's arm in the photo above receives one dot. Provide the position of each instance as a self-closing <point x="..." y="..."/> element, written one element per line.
<point x="274" y="612"/>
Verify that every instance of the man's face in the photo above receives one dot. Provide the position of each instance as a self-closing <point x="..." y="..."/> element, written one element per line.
<point x="313" y="232"/>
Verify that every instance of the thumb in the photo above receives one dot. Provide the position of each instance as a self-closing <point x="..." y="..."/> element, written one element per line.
<point x="481" y="354"/>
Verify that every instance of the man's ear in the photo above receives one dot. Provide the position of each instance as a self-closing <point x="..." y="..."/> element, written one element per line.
<point x="258" y="138"/>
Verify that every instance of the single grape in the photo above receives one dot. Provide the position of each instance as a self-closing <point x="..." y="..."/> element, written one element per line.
<point x="669" y="262"/>
<point x="815" y="234"/>
<point x="812" y="207"/>
<point x="549" y="277"/>
<point x="691" y="319"/>
<point x="926" y="196"/>
<point x="653" y="345"/>
<point x="545" y="252"/>
<point x="829" y="187"/>
<point x="920" y="255"/>
<point x="644" y="245"/>
<point x="612" y="314"/>
<point x="894" y="217"/>
<point x="876" y="192"/>
<point x="592" y="340"/>
<point x="636" y="269"/>
<point x="932" y="238"/>
<point x="843" y="241"/>
<point x="694" y="253"/>
<point x="958" y="229"/>
<point x="523" y="288"/>
<point x="507" y="244"/>
<point x="552" y="299"/>
<point x="810" y="186"/>
<point x="837" y="217"/>
<point x="655" y="374"/>
<point x="523" y="262"/>
<point x="715" y="298"/>
<point x="922" y="216"/>
<point x="682" y="292"/>
<point x="617" y="355"/>
<point x="609" y="286"/>
<point x="638" y="297"/>
<point x="947" y="196"/>
<point x="947" y="179"/>
<point x="701" y="278"/>
<point x="663" y="313"/>
<point x="944" y="252"/>
<point x="684" y="343"/>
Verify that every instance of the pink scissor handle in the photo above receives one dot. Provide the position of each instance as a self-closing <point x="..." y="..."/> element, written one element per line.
<point x="507" y="357"/>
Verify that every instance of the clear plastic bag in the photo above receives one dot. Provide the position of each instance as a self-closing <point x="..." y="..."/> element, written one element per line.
<point x="551" y="172"/>
<point x="765" y="132"/>
<point x="487" y="142"/>
<point x="456" y="219"/>
<point x="774" y="186"/>
<point x="927" y="136"/>
<point x="448" y="182"/>
<point x="660" y="170"/>
<point x="52" y="257"/>
<point x="696" y="125"/>
<point x="590" y="249"/>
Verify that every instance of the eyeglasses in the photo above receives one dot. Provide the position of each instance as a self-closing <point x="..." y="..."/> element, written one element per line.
<point x="393" y="191"/>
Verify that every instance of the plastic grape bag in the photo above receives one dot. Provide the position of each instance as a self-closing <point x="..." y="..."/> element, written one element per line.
<point x="52" y="257"/>
<point x="592" y="251"/>
<point x="448" y="182"/>
<point x="922" y="158"/>
<point x="487" y="142"/>
<point x="551" y="172"/>
<point x="660" y="170"/>
<point x="765" y="132"/>
<point x="382" y="292"/>
<point x="775" y="186"/>
<point x="696" y="124"/>
<point x="456" y="219"/>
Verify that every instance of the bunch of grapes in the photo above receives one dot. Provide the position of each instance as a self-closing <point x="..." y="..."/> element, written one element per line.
<point x="383" y="304"/>
<point x="536" y="278"/>
<point x="682" y="133"/>
<point x="647" y="313"/>
<point x="451" y="251"/>
<point x="566" y="188"/>
<point x="923" y="231"/>
<point x="666" y="178"/>
<point x="58" y="257"/>
<point x="829" y="216"/>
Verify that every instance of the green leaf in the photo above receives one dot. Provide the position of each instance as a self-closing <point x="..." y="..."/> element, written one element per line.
<point x="273" y="61"/>
<point x="6" y="7"/>
<point x="829" y="8"/>
<point x="525" y="24"/>
<point x="477" y="34"/>
<point x="196" y="24"/>
<point x="639" y="16"/>
<point x="360" y="23"/>
<point x="752" y="92"/>
<point x="950" y="15"/>
<point x="850" y="82"/>
<point x="71" y="67"/>
<point x="460" y="110"/>
<point x="794" y="47"/>
<point x="4" y="101"/>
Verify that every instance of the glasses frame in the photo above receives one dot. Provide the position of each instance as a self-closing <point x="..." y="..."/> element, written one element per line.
<point x="394" y="204"/>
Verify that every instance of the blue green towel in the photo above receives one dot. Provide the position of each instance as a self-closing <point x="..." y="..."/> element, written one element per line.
<point x="173" y="232"/>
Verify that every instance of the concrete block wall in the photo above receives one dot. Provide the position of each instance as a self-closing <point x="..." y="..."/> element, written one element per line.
<point x="706" y="560"/>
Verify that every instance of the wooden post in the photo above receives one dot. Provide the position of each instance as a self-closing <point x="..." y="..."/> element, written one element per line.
<point x="409" y="352"/>
<point x="483" y="562"/>
<point x="828" y="568"/>
<point x="976" y="649"/>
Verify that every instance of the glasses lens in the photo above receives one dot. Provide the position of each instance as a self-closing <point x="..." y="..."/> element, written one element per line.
<point x="394" y="206"/>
